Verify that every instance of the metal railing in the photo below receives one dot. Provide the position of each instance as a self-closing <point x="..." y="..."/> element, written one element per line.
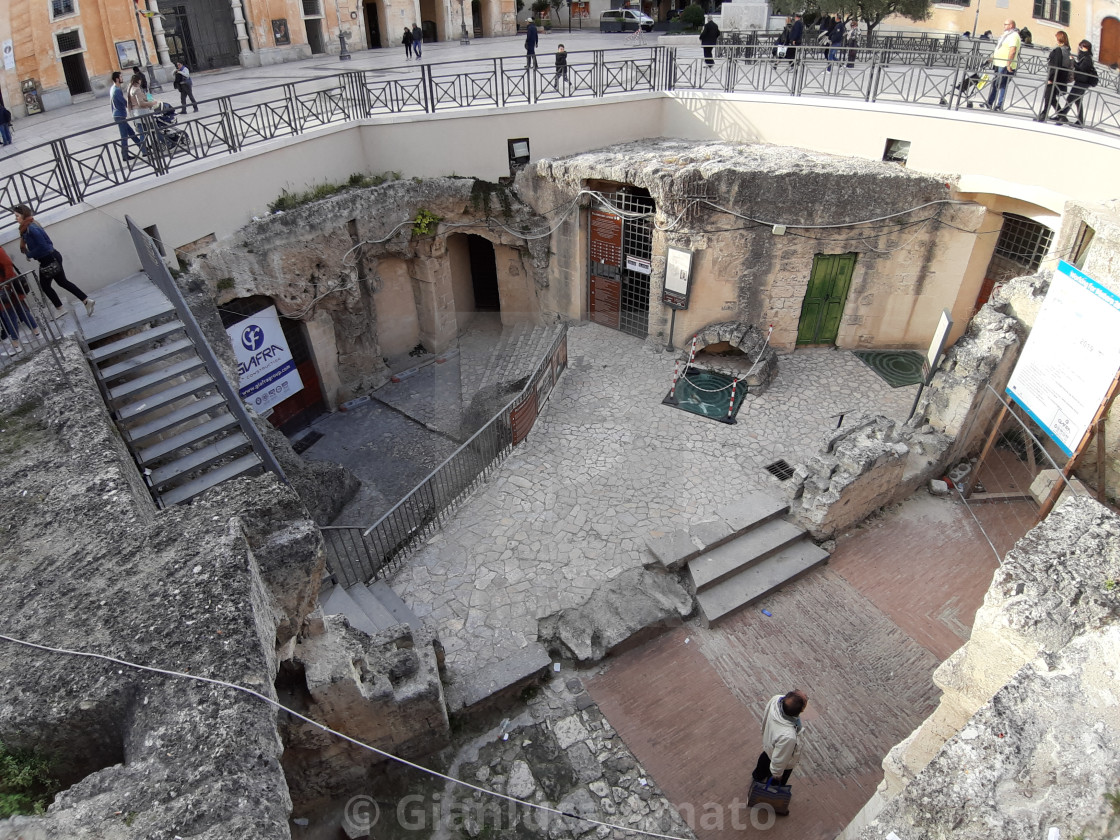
<point x="359" y="554"/>
<point x="27" y="322"/>
<point x="916" y="70"/>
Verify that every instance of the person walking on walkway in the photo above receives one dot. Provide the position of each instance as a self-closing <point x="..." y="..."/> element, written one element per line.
<point x="709" y="37"/>
<point x="35" y="243"/>
<point x="417" y="41"/>
<point x="531" y="40"/>
<point x="138" y="104"/>
<point x="561" y="66"/>
<point x="5" y="126"/>
<point x="781" y="737"/>
<point x="1084" y="77"/>
<point x="1057" y="76"/>
<point x="119" y="102"/>
<point x="185" y="85"/>
<point x="1005" y="60"/>
<point x="407" y="41"/>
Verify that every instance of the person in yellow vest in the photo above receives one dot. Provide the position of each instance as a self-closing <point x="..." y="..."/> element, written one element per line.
<point x="1005" y="60"/>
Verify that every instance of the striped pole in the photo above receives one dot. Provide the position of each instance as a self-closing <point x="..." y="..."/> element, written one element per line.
<point x="731" y="408"/>
<point x="676" y="374"/>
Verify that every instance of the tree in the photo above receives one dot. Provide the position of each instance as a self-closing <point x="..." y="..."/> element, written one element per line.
<point x="693" y="16"/>
<point x="873" y="12"/>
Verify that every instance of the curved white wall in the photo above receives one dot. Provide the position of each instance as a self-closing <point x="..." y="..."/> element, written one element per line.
<point x="993" y="156"/>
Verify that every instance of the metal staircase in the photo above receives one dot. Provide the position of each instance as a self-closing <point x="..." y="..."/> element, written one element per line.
<point x="182" y="421"/>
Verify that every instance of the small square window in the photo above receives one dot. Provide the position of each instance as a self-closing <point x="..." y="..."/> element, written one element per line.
<point x="63" y="8"/>
<point x="69" y="41"/>
<point x="312" y="8"/>
<point x="897" y="151"/>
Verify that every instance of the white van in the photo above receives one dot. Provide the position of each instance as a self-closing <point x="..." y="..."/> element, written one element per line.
<point x="624" y="20"/>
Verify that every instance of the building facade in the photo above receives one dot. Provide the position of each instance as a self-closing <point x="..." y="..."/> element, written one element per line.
<point x="57" y="52"/>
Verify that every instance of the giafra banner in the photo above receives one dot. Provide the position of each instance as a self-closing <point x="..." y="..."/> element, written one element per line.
<point x="267" y="372"/>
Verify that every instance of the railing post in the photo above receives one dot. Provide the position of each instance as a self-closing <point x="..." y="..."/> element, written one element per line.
<point x="291" y="105"/>
<point x="499" y="82"/>
<point x="357" y="94"/>
<point x="229" y="126"/>
<point x="426" y="86"/>
<point x="70" y="185"/>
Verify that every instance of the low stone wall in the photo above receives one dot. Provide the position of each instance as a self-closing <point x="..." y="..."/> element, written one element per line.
<point x="871" y="463"/>
<point x="1026" y="732"/>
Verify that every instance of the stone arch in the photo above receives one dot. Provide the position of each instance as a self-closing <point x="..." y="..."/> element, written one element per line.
<point x="737" y="349"/>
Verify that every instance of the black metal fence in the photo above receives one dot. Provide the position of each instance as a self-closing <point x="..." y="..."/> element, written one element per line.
<point x="919" y="71"/>
<point x="27" y="322"/>
<point x="359" y="554"/>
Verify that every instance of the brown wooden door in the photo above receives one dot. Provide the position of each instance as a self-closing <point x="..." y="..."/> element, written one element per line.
<point x="1109" y="52"/>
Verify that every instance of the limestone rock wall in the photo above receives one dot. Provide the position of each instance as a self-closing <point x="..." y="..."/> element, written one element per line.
<point x="367" y="289"/>
<point x="210" y="589"/>
<point x="721" y="201"/>
<point x="870" y="463"/>
<point x="1025" y="735"/>
<point x="383" y="690"/>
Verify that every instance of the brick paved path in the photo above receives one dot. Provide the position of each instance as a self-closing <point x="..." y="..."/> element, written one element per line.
<point x="861" y="636"/>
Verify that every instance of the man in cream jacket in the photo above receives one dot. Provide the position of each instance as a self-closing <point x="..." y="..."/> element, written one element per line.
<point x="781" y="736"/>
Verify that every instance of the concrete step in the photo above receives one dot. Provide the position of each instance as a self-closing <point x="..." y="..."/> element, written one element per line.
<point x="133" y="363"/>
<point x="197" y="460"/>
<point x="102" y="328"/>
<point x="145" y="433"/>
<point x="133" y="342"/>
<point x="733" y="556"/>
<point x="193" y="435"/>
<point x="752" y="510"/>
<point x="164" y="374"/>
<point x="165" y="398"/>
<point x="381" y="618"/>
<point x="244" y="464"/>
<point x="339" y="602"/>
<point x="391" y="601"/>
<point x="757" y="580"/>
<point x="470" y="692"/>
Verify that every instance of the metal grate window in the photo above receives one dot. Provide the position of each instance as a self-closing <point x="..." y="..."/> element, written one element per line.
<point x="1022" y="241"/>
<point x="637" y="241"/>
<point x="1053" y="10"/>
<point x="61" y="8"/>
<point x="312" y="8"/>
<point x="69" y="41"/>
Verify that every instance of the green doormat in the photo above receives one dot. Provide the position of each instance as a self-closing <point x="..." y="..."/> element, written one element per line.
<point x="708" y="394"/>
<point x="898" y="367"/>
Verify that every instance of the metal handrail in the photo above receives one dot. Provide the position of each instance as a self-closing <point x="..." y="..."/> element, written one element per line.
<point x="359" y="554"/>
<point x="70" y="169"/>
<point x="23" y="312"/>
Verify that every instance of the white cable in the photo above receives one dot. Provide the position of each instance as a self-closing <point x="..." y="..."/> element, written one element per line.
<point x="304" y="718"/>
<point x="838" y="225"/>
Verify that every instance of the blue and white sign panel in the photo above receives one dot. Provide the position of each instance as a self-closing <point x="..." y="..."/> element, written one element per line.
<point x="264" y="363"/>
<point x="1071" y="357"/>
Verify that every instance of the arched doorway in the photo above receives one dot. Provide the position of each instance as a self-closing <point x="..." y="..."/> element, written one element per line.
<point x="434" y="21"/>
<point x="1109" y="52"/>
<point x="484" y="274"/>
<point x="297" y="411"/>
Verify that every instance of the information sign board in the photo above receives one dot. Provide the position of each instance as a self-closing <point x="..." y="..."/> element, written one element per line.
<point x="265" y="366"/>
<point x="1071" y="357"/>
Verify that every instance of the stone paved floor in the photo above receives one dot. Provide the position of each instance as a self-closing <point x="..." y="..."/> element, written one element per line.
<point x="606" y="466"/>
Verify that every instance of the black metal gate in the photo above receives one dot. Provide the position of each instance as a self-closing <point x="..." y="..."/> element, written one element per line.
<point x="201" y="34"/>
<point x="637" y="248"/>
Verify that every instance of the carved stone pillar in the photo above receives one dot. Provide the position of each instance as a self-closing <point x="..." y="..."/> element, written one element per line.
<point x="245" y="54"/>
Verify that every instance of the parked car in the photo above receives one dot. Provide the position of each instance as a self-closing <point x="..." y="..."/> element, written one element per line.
<point x="624" y="20"/>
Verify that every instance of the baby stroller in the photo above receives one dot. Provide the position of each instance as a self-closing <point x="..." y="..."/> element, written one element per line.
<point x="168" y="134"/>
<point x="973" y="82"/>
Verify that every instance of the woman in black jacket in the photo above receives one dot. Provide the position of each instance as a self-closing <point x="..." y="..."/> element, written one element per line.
<point x="1084" y="77"/>
<point x="1057" y="76"/>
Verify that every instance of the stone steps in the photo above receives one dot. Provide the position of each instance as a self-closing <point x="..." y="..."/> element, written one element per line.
<point x="371" y="608"/>
<point x="741" y="555"/>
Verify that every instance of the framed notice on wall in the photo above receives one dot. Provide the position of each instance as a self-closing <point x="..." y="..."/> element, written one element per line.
<point x="678" y="278"/>
<point x="606" y="238"/>
<point x="128" y="56"/>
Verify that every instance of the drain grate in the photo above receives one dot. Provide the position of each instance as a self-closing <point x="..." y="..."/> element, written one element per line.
<point x="780" y="469"/>
<point x="306" y="442"/>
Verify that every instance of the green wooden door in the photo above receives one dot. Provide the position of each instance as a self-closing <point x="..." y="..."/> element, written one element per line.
<point x="825" y="297"/>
